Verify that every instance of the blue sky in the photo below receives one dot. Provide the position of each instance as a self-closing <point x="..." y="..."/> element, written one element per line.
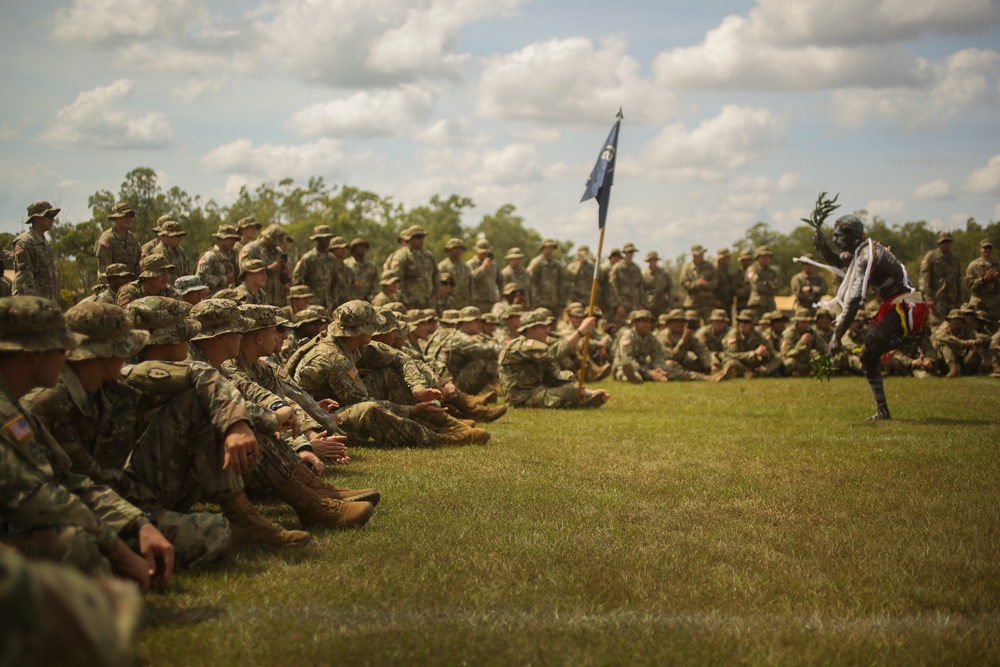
<point x="735" y="112"/>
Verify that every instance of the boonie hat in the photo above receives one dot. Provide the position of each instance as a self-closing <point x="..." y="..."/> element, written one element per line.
<point x="104" y="332"/>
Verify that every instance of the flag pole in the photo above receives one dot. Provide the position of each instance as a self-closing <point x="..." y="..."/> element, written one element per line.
<point x="590" y="313"/>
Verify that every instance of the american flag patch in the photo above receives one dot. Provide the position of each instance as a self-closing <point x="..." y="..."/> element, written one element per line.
<point x="18" y="250"/>
<point x="282" y="372"/>
<point x="353" y="372"/>
<point x="18" y="428"/>
<point x="626" y="341"/>
<point x="530" y="342"/>
<point x="106" y="243"/>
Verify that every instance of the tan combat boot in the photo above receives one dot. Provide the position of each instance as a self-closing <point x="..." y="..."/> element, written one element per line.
<point x="952" y="370"/>
<point x="315" y="510"/>
<point x="469" y="409"/>
<point x="447" y="430"/>
<point x="252" y="530"/>
<point x="327" y="490"/>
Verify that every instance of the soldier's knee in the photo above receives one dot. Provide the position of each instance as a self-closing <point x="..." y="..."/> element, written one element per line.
<point x="199" y="538"/>
<point x="68" y="545"/>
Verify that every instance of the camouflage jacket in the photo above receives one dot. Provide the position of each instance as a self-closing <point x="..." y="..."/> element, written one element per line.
<point x="462" y="275"/>
<point x="460" y="349"/>
<point x="988" y="292"/>
<point x="643" y="351"/>
<point x="676" y="348"/>
<point x="546" y="283"/>
<point x="245" y="295"/>
<point x="793" y="348"/>
<point x="658" y="285"/>
<point x="627" y="279"/>
<point x="274" y="292"/>
<point x="710" y="339"/>
<point x="318" y="270"/>
<point x="577" y="282"/>
<point x="419" y="275"/>
<point x="764" y="284"/>
<point x="34" y="266"/>
<point x="941" y="279"/>
<point x="214" y="269"/>
<point x="521" y="278"/>
<point x="699" y="294"/>
<point x="135" y="290"/>
<point x="527" y="364"/>
<point x="726" y="286"/>
<point x="177" y="257"/>
<point x="346" y="284"/>
<point x="112" y="248"/>
<point x="808" y="289"/>
<point x="367" y="274"/>
<point x="485" y="282"/>
<point x="742" y="348"/>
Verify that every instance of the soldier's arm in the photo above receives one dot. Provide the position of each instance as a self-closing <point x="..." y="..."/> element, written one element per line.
<point x="24" y="272"/>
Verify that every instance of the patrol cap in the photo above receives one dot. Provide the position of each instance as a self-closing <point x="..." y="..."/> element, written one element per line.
<point x="41" y="209"/>
<point x="33" y="324"/>
<point x="514" y="253"/>
<point x="629" y="247"/>
<point x="803" y="315"/>
<point x="226" y="232"/>
<point x="321" y="232"/>
<point x="355" y="318"/>
<point x="652" y="255"/>
<point x="357" y="240"/>
<point x="338" y="242"/>
<point x="311" y="314"/>
<point x="187" y="284"/>
<point x="944" y="237"/>
<point x="454" y="242"/>
<point x="469" y="314"/>
<point x="117" y="270"/>
<point x="985" y="243"/>
<point x="151" y="266"/>
<point x="450" y="316"/>
<point x="300" y="292"/>
<point x="763" y="250"/>
<point x="389" y="278"/>
<point x="745" y="316"/>
<point x="217" y="317"/>
<point x="955" y="314"/>
<point x="641" y="314"/>
<point x="697" y="249"/>
<point x="718" y="315"/>
<point x="482" y="245"/>
<point x="120" y="210"/>
<point x="534" y="318"/>
<point x="164" y="318"/>
<point x="511" y="288"/>
<point x="104" y="332"/>
<point x="261" y="316"/>
<point x="250" y="266"/>
<point x="675" y="315"/>
<point x="171" y="228"/>
<point x="248" y="221"/>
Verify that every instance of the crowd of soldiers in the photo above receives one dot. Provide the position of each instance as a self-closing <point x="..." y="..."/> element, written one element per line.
<point x="173" y="385"/>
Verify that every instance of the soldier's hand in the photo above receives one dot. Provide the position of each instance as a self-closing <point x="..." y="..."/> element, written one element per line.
<point x="588" y="325"/>
<point x="807" y="338"/>
<point x="761" y="351"/>
<point x="130" y="565"/>
<point x="329" y="404"/>
<point x="240" y="448"/>
<point x="658" y="375"/>
<point x="158" y="552"/>
<point x="427" y="407"/>
<point x="428" y="395"/>
<point x="287" y="419"/>
<point x="276" y="265"/>
<point x="328" y="446"/>
<point x="312" y="461"/>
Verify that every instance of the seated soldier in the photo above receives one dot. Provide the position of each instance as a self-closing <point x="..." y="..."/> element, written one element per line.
<point x="599" y="364"/>
<point x="529" y="369"/>
<point x="638" y="355"/>
<point x="389" y="284"/>
<point x="963" y="350"/>
<point x="470" y="360"/>
<point x="714" y="333"/>
<point x="800" y="346"/>
<point x="299" y="298"/>
<point x="509" y="319"/>
<point x="309" y="323"/>
<point x="154" y="280"/>
<point x="689" y="355"/>
<point x="46" y="511"/>
<point x="115" y="277"/>
<point x="190" y="289"/>
<point x="251" y="282"/>
<point x="750" y="353"/>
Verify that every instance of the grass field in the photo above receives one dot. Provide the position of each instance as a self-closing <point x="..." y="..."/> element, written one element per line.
<point x="743" y="522"/>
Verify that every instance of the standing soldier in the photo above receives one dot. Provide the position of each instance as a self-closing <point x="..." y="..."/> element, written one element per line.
<point x="579" y="277"/>
<point x="248" y="228"/>
<point x="546" y="279"/>
<point x="34" y="263"/>
<point x="983" y="280"/>
<point x="764" y="283"/>
<point x="808" y="287"/>
<point x="626" y="276"/>
<point x="364" y="269"/>
<point x="168" y="243"/>
<point x="217" y="267"/>
<point x="725" y="288"/>
<point x="461" y="292"/>
<point x="607" y="294"/>
<point x="941" y="279"/>
<point x="317" y="269"/>
<point x="267" y="249"/>
<point x="485" y="276"/>
<point x="658" y="283"/>
<point x="699" y="278"/>
<point x="117" y="244"/>
<point x="741" y="286"/>
<point x="515" y="273"/>
<point x="417" y="270"/>
<point x="346" y="284"/>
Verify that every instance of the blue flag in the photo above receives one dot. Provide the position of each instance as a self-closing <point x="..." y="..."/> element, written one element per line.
<point x="603" y="175"/>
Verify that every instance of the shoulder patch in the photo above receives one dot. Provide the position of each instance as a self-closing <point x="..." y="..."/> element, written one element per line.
<point x="18" y="428"/>
<point x="730" y="341"/>
<point x="529" y="342"/>
<point x="157" y="373"/>
<point x="18" y="249"/>
<point x="626" y="341"/>
<point x="282" y="372"/>
<point x="105" y="242"/>
<point x="353" y="372"/>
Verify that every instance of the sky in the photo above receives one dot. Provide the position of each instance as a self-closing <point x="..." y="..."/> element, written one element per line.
<point x="735" y="111"/>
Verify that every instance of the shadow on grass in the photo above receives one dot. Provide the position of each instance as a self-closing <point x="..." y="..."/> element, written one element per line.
<point x="945" y="421"/>
<point x="175" y="616"/>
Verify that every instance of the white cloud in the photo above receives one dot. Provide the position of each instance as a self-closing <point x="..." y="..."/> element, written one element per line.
<point x="194" y="89"/>
<point x="717" y="147"/>
<point x="451" y="132"/>
<point x="105" y="22"/>
<point x="792" y="217"/>
<point x="985" y="180"/>
<point x="366" y="114"/>
<point x="784" y="184"/>
<point x="568" y="80"/>
<point x="959" y="83"/>
<point x="885" y="207"/>
<point x="535" y="135"/>
<point x="96" y="119"/>
<point x="937" y="189"/>
<point x="8" y="131"/>
<point x="276" y="161"/>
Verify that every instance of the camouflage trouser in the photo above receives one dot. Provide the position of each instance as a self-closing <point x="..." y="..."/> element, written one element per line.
<point x="277" y="462"/>
<point x="476" y="375"/>
<point x="797" y="367"/>
<point x="618" y="371"/>
<point x="560" y="396"/>
<point x="765" y="369"/>
<point x="66" y="545"/>
<point x="179" y="457"/>
<point x="47" y="610"/>
<point x="969" y="359"/>
<point x="679" y="373"/>
<point x="385" y="384"/>
<point x="199" y="538"/>
<point x="848" y="363"/>
<point x="384" y="423"/>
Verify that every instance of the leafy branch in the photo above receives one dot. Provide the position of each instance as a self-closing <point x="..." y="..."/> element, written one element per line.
<point x="824" y="207"/>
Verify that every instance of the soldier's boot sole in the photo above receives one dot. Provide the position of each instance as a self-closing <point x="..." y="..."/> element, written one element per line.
<point x="485" y="414"/>
<point x="315" y="510"/>
<point x="631" y="374"/>
<point x="326" y="490"/>
<point x="250" y="529"/>
<point x="592" y="401"/>
<point x="489" y="396"/>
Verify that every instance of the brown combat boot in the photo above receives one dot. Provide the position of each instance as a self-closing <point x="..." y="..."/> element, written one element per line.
<point x="315" y="510"/>
<point x="327" y="490"/>
<point x="469" y="409"/>
<point x="250" y="529"/>
<point x="952" y="370"/>
<point x="449" y="431"/>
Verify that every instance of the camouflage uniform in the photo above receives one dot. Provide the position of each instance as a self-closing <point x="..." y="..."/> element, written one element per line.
<point x="726" y="284"/>
<point x="740" y="350"/>
<point x="808" y="298"/>
<point x="152" y="267"/>
<point x="642" y="353"/>
<point x="346" y="284"/>
<point x="34" y="266"/>
<point x="700" y="297"/>
<point x="418" y="273"/>
<point x="712" y="339"/>
<point x="797" y="355"/>
<point x="941" y="280"/>
<point x="531" y="377"/>
<point x="688" y="354"/>
<point x="546" y="282"/>
<point x="175" y="256"/>
<point x="764" y="284"/>
<point x="951" y="345"/>
<point x="317" y="270"/>
<point x="112" y="248"/>
<point x="365" y="270"/>
<point x="485" y="282"/>
<point x="519" y="276"/>
<point x="215" y="265"/>
<point x="578" y="279"/>
<point x="626" y="276"/>
<point x="460" y="273"/>
<point x="606" y="292"/>
<point x="274" y="293"/>
<point x="470" y="360"/>
<point x="986" y="293"/>
<point x="658" y="285"/>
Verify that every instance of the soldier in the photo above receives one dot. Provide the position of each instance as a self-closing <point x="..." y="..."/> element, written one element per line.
<point x="808" y="287"/>
<point x="168" y="243"/>
<point x="364" y="269"/>
<point x="6" y="284"/>
<point x="217" y="267"/>
<point x="34" y="263"/>
<point x="514" y="273"/>
<point x="982" y="277"/>
<point x="317" y="269"/>
<point x="598" y="348"/>
<point x="190" y="290"/>
<point x="485" y="276"/>
<point x="726" y="285"/>
<point x="742" y="286"/>
<point x="579" y="277"/>
<point x="626" y="276"/>
<point x="299" y="298"/>
<point x="529" y="367"/>
<point x="47" y="511"/>
<point x="346" y="284"/>
<point x="686" y="356"/>
<point x="154" y="280"/>
<point x="470" y="360"/>
<point x="252" y="280"/>
<point x="638" y="356"/>
<point x="963" y="350"/>
<point x="773" y="326"/>
<point x="609" y="300"/>
<point x="309" y="323"/>
<point x="390" y="290"/>
<point x="714" y="333"/>
<point x="117" y="276"/>
<point x="268" y="250"/>
<point x="764" y="282"/>
<point x="658" y="285"/>
<point x="699" y="279"/>
<point x="460" y="272"/>
<point x="417" y="270"/>
<point x="117" y="244"/>
<point x="748" y="351"/>
<point x="248" y="228"/>
<point x="941" y="278"/>
<point x="546" y="272"/>
<point x="445" y="300"/>
<point x="800" y="346"/>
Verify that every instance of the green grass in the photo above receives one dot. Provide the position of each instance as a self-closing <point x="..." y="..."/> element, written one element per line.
<point x="746" y="522"/>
